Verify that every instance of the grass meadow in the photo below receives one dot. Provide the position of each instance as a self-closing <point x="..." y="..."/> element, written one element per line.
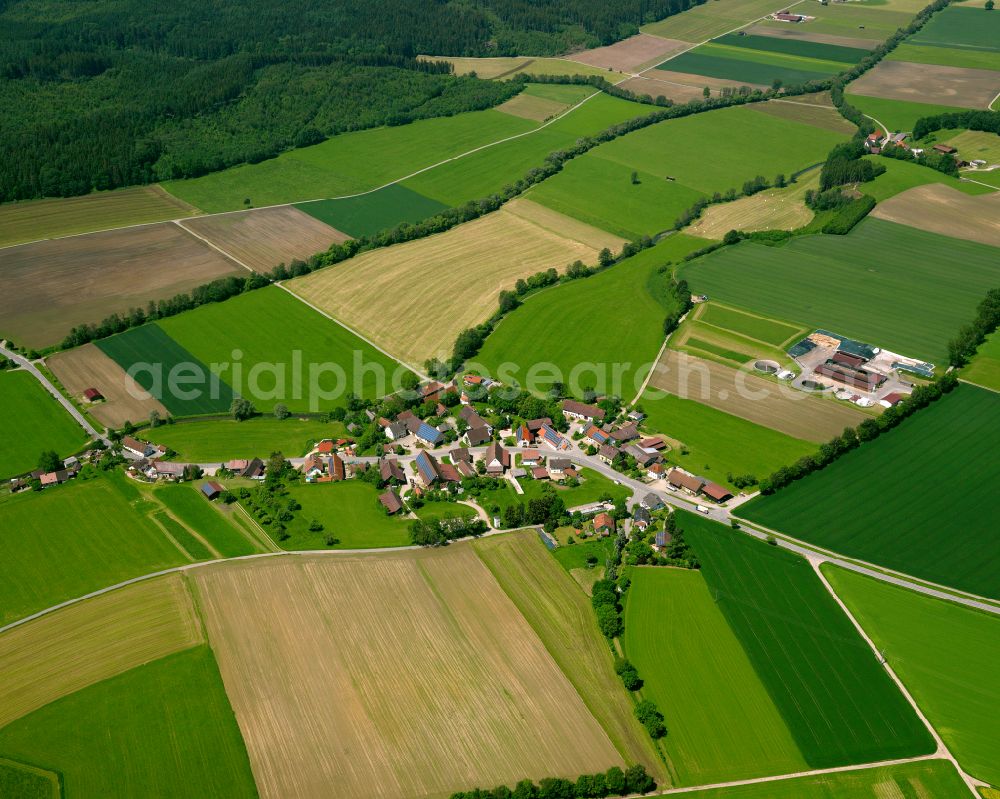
<point x="707" y="21"/>
<point x="908" y="304"/>
<point x="795" y="47"/>
<point x="220" y="440"/>
<point x="151" y="345"/>
<point x="946" y="654"/>
<point x="929" y="779"/>
<point x="593" y="486"/>
<point x="192" y="509"/>
<point x="896" y="114"/>
<point x="272" y="328"/>
<point x="964" y="28"/>
<point x="985" y="367"/>
<point x="839" y="704"/>
<point x="751" y="66"/>
<point x="367" y="214"/>
<point x="769" y="331"/>
<point x="715" y="444"/>
<point x="171" y="716"/>
<point x="548" y="328"/>
<point x="350" y="512"/>
<point x="27" y="782"/>
<point x="347" y="163"/>
<point x="921" y="527"/>
<point x="73" y="539"/>
<point x="945" y="56"/>
<point x="721" y="722"/>
<point x="32" y="422"/>
<point x="902" y="175"/>
<point x="855" y="20"/>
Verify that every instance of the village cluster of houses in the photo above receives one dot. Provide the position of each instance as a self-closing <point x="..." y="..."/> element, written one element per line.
<point x="70" y="469"/>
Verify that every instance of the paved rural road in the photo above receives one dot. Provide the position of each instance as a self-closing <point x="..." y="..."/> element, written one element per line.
<point x="28" y="366"/>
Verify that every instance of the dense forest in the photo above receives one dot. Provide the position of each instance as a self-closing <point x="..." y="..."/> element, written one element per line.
<point x="98" y="95"/>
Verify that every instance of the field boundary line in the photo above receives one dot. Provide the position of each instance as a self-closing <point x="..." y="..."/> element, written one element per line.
<point x="351" y="330"/>
<point x="942" y="749"/>
<point x="979" y="385"/>
<point x="659" y="355"/>
<point x="214" y="246"/>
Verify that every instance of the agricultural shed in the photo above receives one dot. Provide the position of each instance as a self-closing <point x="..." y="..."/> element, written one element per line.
<point x="211" y="489"/>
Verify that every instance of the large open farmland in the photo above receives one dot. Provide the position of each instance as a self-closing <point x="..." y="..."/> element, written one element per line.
<point x="882" y="283"/>
<point x="48" y="219"/>
<point x="403" y="648"/>
<point x="680" y="642"/>
<point x="390" y="295"/>
<point x="219" y="440"/>
<point x="172" y="718"/>
<point x="561" y="615"/>
<point x="83" y="644"/>
<point x="931" y="83"/>
<point x="839" y="704"/>
<point x="192" y="510"/>
<point x="631" y="54"/>
<point x="985" y="367"/>
<point x="961" y="430"/>
<point x="263" y="238"/>
<point x="709" y="20"/>
<point x="350" y="512"/>
<point x="816" y="110"/>
<point x="32" y="422"/>
<point x="895" y="114"/>
<point x="743" y="393"/>
<point x="88" y="367"/>
<point x="150" y="356"/>
<point x="773" y="209"/>
<point x="940" y="209"/>
<point x="510" y="66"/>
<point x="873" y="21"/>
<point x="945" y="654"/>
<point x="101" y="537"/>
<point x="348" y="163"/>
<point x="961" y="27"/>
<point x="718" y="445"/>
<point x="367" y="214"/>
<point x="945" y="56"/>
<point x="543" y="330"/>
<point x="55" y="285"/>
<point x="902" y="175"/>
<point x="928" y="779"/>
<point x="541" y="102"/>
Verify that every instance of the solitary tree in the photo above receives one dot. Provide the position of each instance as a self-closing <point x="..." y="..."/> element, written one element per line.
<point x="241" y="409"/>
<point x="706" y="92"/>
<point x="989" y="5"/>
<point x="49" y="461"/>
<point x="281" y="411"/>
<point x="635" y="178"/>
<point x="154" y="418"/>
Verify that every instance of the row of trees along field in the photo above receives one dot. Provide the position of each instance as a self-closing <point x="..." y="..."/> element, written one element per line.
<point x="106" y="95"/>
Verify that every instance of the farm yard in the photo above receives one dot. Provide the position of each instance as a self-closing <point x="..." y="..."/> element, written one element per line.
<point x="440" y="643"/>
<point x="172" y="717"/>
<point x="542" y="330"/>
<point x="88" y="367"/>
<point x="58" y="284"/>
<point x="908" y="304"/>
<point x="67" y="216"/>
<point x="454" y="276"/>
<point x="938" y="208"/>
<point x="839" y="704"/>
<point x="714" y="735"/>
<point x="944" y="653"/>
<point x="110" y="540"/>
<point x="32" y="422"/>
<point x="261" y="239"/>
<point x="369" y="213"/>
<point x="961" y="430"/>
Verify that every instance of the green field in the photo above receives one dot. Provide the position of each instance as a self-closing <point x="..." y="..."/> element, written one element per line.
<point x="958" y="27"/>
<point x="685" y="652"/>
<point x="718" y="443"/>
<point x="946" y="655"/>
<point x="882" y="283"/>
<point x="896" y="114"/>
<point x="945" y="56"/>
<point x="591" y="489"/>
<point x="601" y="193"/>
<point x="930" y="779"/>
<point x="770" y="331"/>
<point x="858" y="20"/>
<point x="220" y="440"/>
<point x="902" y="175"/>
<point x="708" y="20"/>
<point x="31" y="421"/>
<point x="349" y="511"/>
<point x="915" y="511"/>
<point x="795" y="47"/>
<point x="367" y="214"/>
<point x="839" y="704"/>
<point x="156" y="356"/>
<point x="985" y="367"/>
<point x="489" y="170"/>
<point x="70" y="540"/>
<point x="163" y="729"/>
<point x="548" y="327"/>
<point x="183" y="536"/>
<point x="273" y="336"/>
<point x="751" y="66"/>
<point x="23" y="781"/>
<point x="348" y="163"/>
<point x="719" y="150"/>
<point x="188" y="504"/>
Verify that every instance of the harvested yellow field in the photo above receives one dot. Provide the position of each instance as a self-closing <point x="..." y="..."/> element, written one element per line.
<point x="528" y="106"/>
<point x="405" y="674"/>
<point x="632" y="54"/>
<point x="82" y="644"/>
<point x="415" y="298"/>
<point x="774" y="209"/>
<point x="509" y="66"/>
<point x="942" y="209"/>
<point x="265" y="237"/>
<point x="65" y="216"/>
<point x="124" y="399"/>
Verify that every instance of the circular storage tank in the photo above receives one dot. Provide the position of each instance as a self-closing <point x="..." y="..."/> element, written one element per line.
<point x="770" y="367"/>
<point x="812" y="385"/>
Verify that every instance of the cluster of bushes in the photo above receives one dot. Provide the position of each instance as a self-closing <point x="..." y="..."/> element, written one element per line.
<point x="845" y="164"/>
<point x="605" y="600"/>
<point x="680" y="293"/>
<point x="851" y="438"/>
<point x="628" y="673"/>
<point x="548" y="510"/>
<point x="988" y="121"/>
<point x="742" y="480"/>
<point x="613" y="782"/>
<point x="964" y="345"/>
<point x="651" y="718"/>
<point x="440" y="531"/>
<point x="849" y="215"/>
<point x="269" y="502"/>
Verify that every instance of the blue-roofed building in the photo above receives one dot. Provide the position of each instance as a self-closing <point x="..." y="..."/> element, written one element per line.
<point x="428" y="469"/>
<point x="553" y="438"/>
<point x="429" y="434"/>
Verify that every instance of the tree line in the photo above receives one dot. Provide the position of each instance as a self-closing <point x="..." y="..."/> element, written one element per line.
<point x="964" y="345"/>
<point x="987" y="121"/>
<point x="613" y="782"/>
